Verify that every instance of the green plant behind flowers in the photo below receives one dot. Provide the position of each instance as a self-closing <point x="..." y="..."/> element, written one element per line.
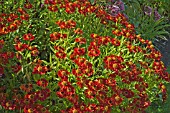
<point x="74" y="57"/>
<point x="147" y="25"/>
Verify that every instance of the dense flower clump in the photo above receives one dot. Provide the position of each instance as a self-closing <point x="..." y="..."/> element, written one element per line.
<point x="90" y="61"/>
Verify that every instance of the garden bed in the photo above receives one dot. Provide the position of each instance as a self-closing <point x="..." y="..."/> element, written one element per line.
<point x="75" y="57"/>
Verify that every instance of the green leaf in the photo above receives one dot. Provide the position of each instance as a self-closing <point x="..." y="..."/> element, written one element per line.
<point x="162" y="32"/>
<point x="45" y="62"/>
<point x="162" y="26"/>
<point x="36" y="77"/>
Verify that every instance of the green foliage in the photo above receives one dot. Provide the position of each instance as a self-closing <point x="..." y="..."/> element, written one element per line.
<point x="146" y="25"/>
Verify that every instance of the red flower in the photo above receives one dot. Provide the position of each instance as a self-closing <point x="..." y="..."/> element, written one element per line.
<point x="59" y="22"/>
<point x="69" y="90"/>
<point x="117" y="32"/>
<point x="61" y="93"/>
<point x="110" y="82"/>
<point x="17" y="22"/>
<point x="129" y="26"/>
<point x="101" y="97"/>
<point x="101" y="13"/>
<point x="113" y="62"/>
<point x="132" y="48"/>
<point x="10" y="54"/>
<point x="73" y="56"/>
<point x="115" y="42"/>
<point x="1" y="20"/>
<point x="70" y="10"/>
<point x="8" y="105"/>
<point x="80" y="61"/>
<point x="127" y="93"/>
<point x="31" y="97"/>
<point x="66" y="90"/>
<point x="77" y="72"/>
<point x="94" y="52"/>
<point x="28" y="36"/>
<point x="117" y="100"/>
<point x="71" y="24"/>
<point x="87" y="70"/>
<point x="63" y="74"/>
<point x="91" y="108"/>
<point x="24" y="16"/>
<point x="60" y="55"/>
<point x="53" y="8"/>
<point x="89" y="93"/>
<point x="140" y="103"/>
<point x="51" y="2"/>
<point x="41" y="109"/>
<point x="105" y="108"/>
<point x="62" y="24"/>
<point x="73" y="110"/>
<point x="141" y="87"/>
<point x="155" y="55"/>
<point x="82" y="107"/>
<point x="12" y="27"/>
<point x="93" y="45"/>
<point x="64" y="83"/>
<point x="86" y="65"/>
<point x="93" y="35"/>
<point x="80" y="40"/>
<point x="78" y="31"/>
<point x="16" y="68"/>
<point x="26" y="87"/>
<point x="43" y="94"/>
<point x="59" y="48"/>
<point x="29" y="109"/>
<point x="95" y="85"/>
<point x="79" y="51"/>
<point x="38" y="69"/>
<point x="5" y="30"/>
<point x="63" y="35"/>
<point x="20" y="46"/>
<point x="1" y="43"/>
<point x="104" y="21"/>
<point x="162" y="87"/>
<point x="10" y="19"/>
<point x="103" y="40"/>
<point x="1" y="71"/>
<point x="34" y="51"/>
<point x="80" y="81"/>
<point x="54" y="36"/>
<point x="21" y="11"/>
<point x="28" y="5"/>
<point x="42" y="82"/>
<point x="4" y="58"/>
